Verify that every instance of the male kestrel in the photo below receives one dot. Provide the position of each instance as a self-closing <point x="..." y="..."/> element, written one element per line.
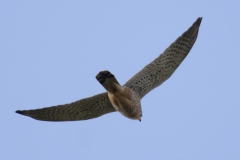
<point x="126" y="98"/>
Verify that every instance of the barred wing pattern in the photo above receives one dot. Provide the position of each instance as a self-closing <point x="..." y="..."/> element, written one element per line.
<point x="158" y="71"/>
<point x="83" y="109"/>
<point x="143" y="82"/>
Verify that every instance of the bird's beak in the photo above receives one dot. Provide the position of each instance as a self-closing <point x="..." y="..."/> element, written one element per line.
<point x="140" y="120"/>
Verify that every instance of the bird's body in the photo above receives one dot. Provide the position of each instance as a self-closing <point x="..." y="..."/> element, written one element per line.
<point x="123" y="99"/>
<point x="126" y="98"/>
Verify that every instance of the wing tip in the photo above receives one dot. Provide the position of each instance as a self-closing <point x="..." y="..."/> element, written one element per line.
<point x="192" y="31"/>
<point x="26" y="113"/>
<point x="20" y="112"/>
<point x="198" y="21"/>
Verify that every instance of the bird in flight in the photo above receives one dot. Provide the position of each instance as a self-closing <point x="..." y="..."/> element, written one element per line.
<point x="127" y="98"/>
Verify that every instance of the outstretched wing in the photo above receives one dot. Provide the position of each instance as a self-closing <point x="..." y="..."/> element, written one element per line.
<point x="83" y="109"/>
<point x="155" y="73"/>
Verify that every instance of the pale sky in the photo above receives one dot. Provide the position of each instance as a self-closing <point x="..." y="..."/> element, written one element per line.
<point x="51" y="51"/>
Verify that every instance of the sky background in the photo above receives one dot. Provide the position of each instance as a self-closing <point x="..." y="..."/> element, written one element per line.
<point x="51" y="51"/>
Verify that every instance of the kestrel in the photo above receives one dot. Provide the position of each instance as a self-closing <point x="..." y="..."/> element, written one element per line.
<point x="127" y="98"/>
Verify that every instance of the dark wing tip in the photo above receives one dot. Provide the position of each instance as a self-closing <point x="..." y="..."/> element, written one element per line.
<point x="20" y="112"/>
<point x="192" y="32"/>
<point x="198" y="22"/>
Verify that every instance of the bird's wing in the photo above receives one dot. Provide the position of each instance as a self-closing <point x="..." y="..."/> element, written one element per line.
<point x="83" y="109"/>
<point x="163" y="66"/>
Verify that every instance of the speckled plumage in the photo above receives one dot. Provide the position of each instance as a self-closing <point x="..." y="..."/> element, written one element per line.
<point x="151" y="76"/>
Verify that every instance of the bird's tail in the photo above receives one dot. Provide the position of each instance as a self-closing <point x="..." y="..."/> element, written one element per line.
<point x="107" y="80"/>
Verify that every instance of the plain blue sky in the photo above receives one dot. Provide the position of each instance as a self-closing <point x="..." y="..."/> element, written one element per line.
<point x="51" y="51"/>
